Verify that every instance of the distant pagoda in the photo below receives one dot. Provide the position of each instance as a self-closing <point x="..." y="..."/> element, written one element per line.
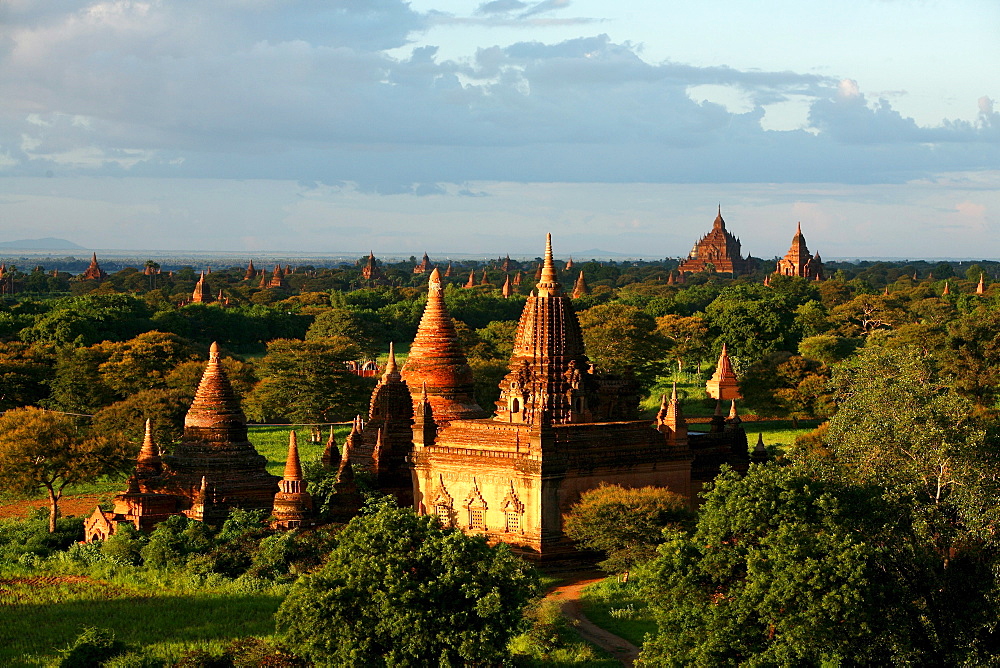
<point x="94" y="271"/>
<point x="717" y="251"/>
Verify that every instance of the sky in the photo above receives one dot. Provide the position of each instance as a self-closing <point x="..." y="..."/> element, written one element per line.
<point x="475" y="127"/>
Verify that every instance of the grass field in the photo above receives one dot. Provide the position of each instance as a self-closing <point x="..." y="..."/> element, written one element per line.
<point x="618" y="608"/>
<point x="40" y="615"/>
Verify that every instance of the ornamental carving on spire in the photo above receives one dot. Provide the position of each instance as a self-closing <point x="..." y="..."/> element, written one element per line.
<point x="549" y="379"/>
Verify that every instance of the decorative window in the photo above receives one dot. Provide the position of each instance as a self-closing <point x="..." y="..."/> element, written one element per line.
<point x="476" y="506"/>
<point x="443" y="511"/>
<point x="513" y="510"/>
<point x="443" y="504"/>
<point x="515" y="406"/>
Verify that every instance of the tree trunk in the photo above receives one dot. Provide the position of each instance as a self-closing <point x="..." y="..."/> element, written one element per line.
<point x="53" y="509"/>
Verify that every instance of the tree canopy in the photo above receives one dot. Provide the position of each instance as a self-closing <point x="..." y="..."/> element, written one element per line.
<point x="625" y="524"/>
<point x="400" y="589"/>
<point x="44" y="450"/>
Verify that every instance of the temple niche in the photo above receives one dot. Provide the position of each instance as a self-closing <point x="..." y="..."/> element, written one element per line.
<point x="798" y="261"/>
<point x="559" y="428"/>
<point x="717" y="251"/>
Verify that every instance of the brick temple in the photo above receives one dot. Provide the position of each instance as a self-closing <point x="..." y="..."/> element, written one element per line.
<point x="798" y="261"/>
<point x="213" y="469"/>
<point x="558" y="429"/>
<point x="717" y="251"/>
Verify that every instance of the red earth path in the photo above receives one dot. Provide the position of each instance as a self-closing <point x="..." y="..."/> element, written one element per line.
<point x="83" y="504"/>
<point x="572" y="608"/>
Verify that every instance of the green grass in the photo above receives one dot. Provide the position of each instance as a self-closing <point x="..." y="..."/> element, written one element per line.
<point x="775" y="432"/>
<point x="690" y="388"/>
<point x="618" y="608"/>
<point x="38" y="617"/>
<point x="272" y="442"/>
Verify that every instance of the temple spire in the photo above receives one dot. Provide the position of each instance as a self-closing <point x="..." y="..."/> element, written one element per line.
<point x="331" y="453"/>
<point x="548" y="284"/>
<point x="436" y="360"/>
<point x="981" y="288"/>
<point x="215" y="413"/>
<point x="293" y="467"/>
<point x="723" y="384"/>
<point x="581" y="288"/>
<point x="548" y="378"/>
<point x="391" y="369"/>
<point x="293" y="506"/>
<point x="148" y="462"/>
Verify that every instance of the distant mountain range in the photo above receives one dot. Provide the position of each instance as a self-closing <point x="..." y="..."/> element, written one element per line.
<point x="48" y="243"/>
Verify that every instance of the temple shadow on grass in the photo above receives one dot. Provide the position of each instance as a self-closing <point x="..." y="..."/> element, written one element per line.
<point x="32" y="633"/>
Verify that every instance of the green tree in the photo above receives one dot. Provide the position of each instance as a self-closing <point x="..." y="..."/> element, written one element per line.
<point x="25" y="372"/>
<point x="44" y="450"/>
<point x="828" y="349"/>
<point x="876" y="546"/>
<point x="348" y="324"/>
<point x="774" y="574"/>
<point x="902" y="425"/>
<point x="400" y="589"/>
<point x="686" y="337"/>
<point x="622" y="339"/>
<point x="78" y="386"/>
<point x="625" y="524"/>
<point x="752" y="322"/>
<point x="308" y="381"/>
<point x="788" y="385"/>
<point x="88" y="319"/>
<point x="867" y="313"/>
<point x="165" y="409"/>
<point x="143" y="362"/>
<point x="972" y="354"/>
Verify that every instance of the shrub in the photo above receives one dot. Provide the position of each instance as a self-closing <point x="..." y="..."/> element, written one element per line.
<point x="91" y="648"/>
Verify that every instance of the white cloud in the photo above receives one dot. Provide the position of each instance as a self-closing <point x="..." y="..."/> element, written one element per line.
<point x="307" y="90"/>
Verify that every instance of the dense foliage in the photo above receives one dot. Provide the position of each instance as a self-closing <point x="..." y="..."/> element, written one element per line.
<point x="874" y="543"/>
<point x="624" y="524"/>
<point x="400" y="589"/>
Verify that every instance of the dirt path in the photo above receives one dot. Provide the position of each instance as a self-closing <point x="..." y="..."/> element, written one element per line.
<point x="71" y="505"/>
<point x="572" y="607"/>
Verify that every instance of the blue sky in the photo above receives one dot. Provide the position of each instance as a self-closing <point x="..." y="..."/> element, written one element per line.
<point x="447" y="126"/>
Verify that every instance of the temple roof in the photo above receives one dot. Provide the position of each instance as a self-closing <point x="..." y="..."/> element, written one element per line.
<point x="293" y="467"/>
<point x="719" y="248"/>
<point x="436" y="359"/>
<point x="215" y="413"/>
<point x="548" y="357"/>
